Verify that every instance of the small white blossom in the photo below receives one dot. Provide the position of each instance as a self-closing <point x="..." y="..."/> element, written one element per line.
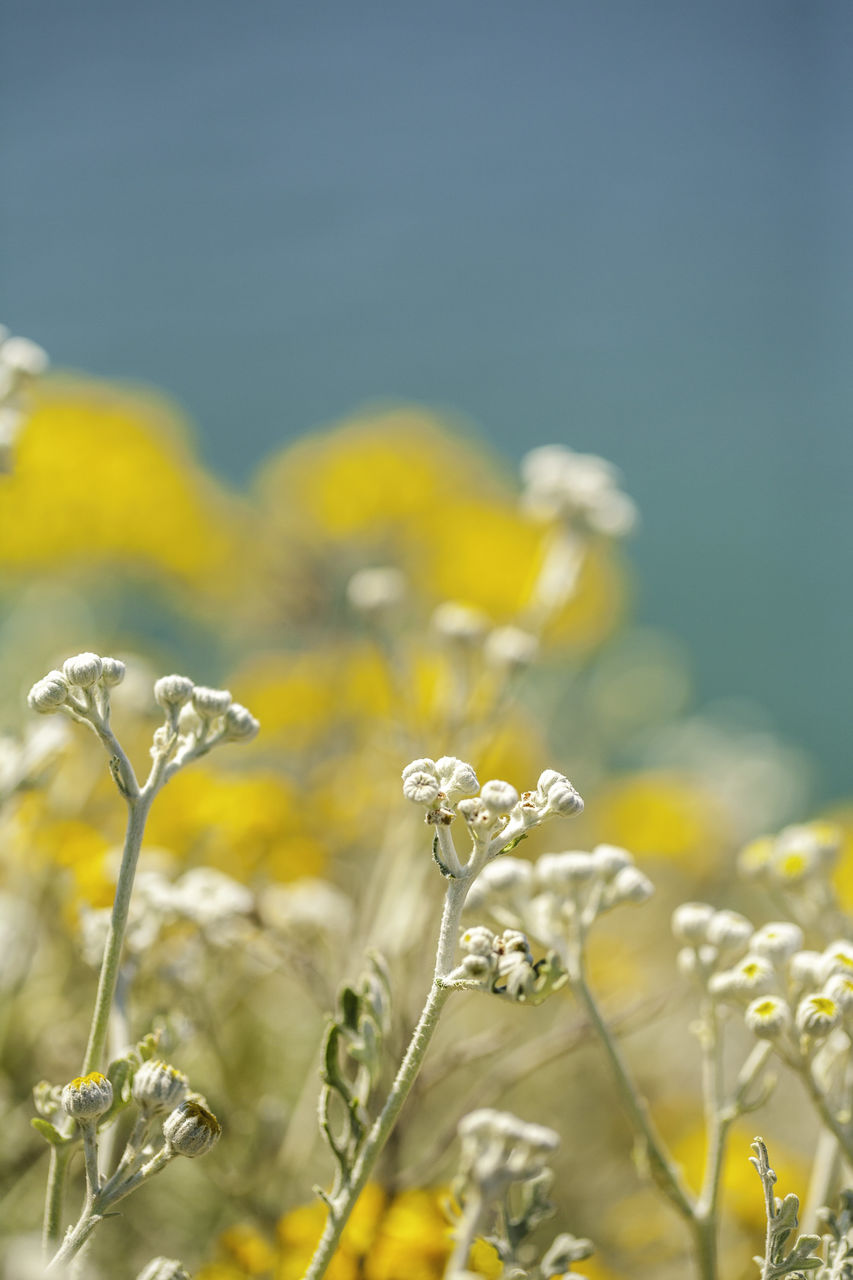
<point x="239" y="724"/>
<point x="48" y="694"/>
<point x="768" y="1017"/>
<point x="460" y="624"/>
<point x="173" y="691"/>
<point x="806" y="969"/>
<point x="83" y="670"/>
<point x="778" y="941"/>
<point x="510" y="648"/>
<point x="817" y="1015"/>
<point x="837" y="958"/>
<point x="498" y="1149"/>
<point x="728" y="930"/>
<point x="373" y="591"/>
<point x="210" y="703"/>
<point x="578" y="488"/>
<point x="609" y="860"/>
<point x="753" y="976"/>
<point x="690" y="922"/>
<point x="630" y="885"/>
<point x="564" y="872"/>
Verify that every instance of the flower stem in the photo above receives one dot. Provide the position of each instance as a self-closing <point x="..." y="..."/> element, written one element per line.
<point x="342" y="1204"/>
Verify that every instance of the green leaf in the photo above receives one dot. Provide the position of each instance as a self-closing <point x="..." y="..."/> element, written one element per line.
<point x="514" y="843"/>
<point x="350" y="1001"/>
<point x="49" y="1132"/>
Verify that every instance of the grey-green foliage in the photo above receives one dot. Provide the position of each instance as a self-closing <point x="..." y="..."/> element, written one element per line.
<point x="352" y="1061"/>
<point x="782" y="1258"/>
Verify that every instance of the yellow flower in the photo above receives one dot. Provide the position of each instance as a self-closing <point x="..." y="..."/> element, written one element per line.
<point x="240" y="823"/>
<point x="103" y="476"/>
<point x="249" y="1249"/>
<point x="660" y="815"/>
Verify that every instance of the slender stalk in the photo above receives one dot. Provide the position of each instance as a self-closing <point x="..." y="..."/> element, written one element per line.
<point x="661" y="1166"/>
<point x="718" y="1120"/>
<point x="137" y="814"/>
<point x="342" y="1203"/>
<point x="52" y="1227"/>
<point x="826" y="1114"/>
<point x="466" y="1233"/>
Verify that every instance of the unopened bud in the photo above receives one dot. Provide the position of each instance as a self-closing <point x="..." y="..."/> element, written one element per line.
<point x="159" y="1088"/>
<point x="240" y="724"/>
<point x="210" y="702"/>
<point x="173" y="691"/>
<point x="87" y="1097"/>
<point x="83" y="670"/>
<point x="112" y="672"/>
<point x="49" y="693"/>
<point x="191" y="1129"/>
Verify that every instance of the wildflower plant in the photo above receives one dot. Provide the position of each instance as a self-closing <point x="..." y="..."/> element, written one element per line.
<point x="196" y="720"/>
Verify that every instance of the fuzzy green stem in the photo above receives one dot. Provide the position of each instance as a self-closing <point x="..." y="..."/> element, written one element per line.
<point x="660" y="1164"/>
<point x="137" y="814"/>
<point x="342" y="1204"/>
<point x="52" y="1228"/>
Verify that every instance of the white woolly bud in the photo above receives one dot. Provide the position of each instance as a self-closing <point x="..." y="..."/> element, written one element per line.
<point x="510" y="647"/>
<point x="49" y="693"/>
<point x="498" y="796"/>
<point x="88" y="1097"/>
<point x="806" y="968"/>
<point x="24" y="357"/>
<point x="163" y="1269"/>
<point x="478" y="940"/>
<point x="630" y="885"/>
<point x="728" y="930"/>
<point x="112" y="672"/>
<point x="191" y="1129"/>
<point x="456" y="778"/>
<point x="560" y="872"/>
<point x="753" y="976"/>
<point x="374" y="590"/>
<point x="837" y="958"/>
<point x="690" y="922"/>
<point x="83" y="670"/>
<point x="240" y="724"/>
<point x="159" y="1088"/>
<point x="421" y="788"/>
<point x="459" y="623"/>
<point x="840" y="989"/>
<point x="558" y="794"/>
<point x="609" y="860"/>
<point x="817" y="1015"/>
<point x="506" y="876"/>
<point x="172" y="692"/>
<point x="475" y="967"/>
<point x="778" y="940"/>
<point x="498" y="1148"/>
<point x="210" y="703"/>
<point x="768" y="1017"/>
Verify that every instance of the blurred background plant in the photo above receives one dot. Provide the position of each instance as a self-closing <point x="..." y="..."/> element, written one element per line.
<point x="379" y="594"/>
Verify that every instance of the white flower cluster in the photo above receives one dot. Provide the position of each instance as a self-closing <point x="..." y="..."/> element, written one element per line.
<point x="374" y="592"/>
<point x="22" y="762"/>
<point x="546" y="897"/>
<point x="218" y="905"/>
<point x="20" y="362"/>
<point x="579" y="489"/>
<point x="465" y="629"/>
<point x="795" y="858"/>
<point x="499" y="1149"/>
<point x="501" y="963"/>
<point x="81" y="688"/>
<point x="495" y="815"/>
<point x="791" y="996"/>
<point x="200" y="717"/>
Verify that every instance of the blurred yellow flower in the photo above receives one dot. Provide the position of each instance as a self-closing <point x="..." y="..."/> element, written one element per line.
<point x="104" y="476"/>
<point x="660" y="815"/>
<point x="241" y="823"/>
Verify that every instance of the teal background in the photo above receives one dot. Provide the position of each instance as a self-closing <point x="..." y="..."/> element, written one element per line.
<point x="625" y="226"/>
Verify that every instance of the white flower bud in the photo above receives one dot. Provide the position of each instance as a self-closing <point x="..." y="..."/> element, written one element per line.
<point x="840" y="989"/>
<point x="374" y="590"/>
<point x="806" y="969"/>
<point x="88" y="1097"/>
<point x="631" y="885"/>
<point x="558" y="794"/>
<point x="421" y="788"/>
<point x="459" y="623"/>
<point x="753" y="976"/>
<point x="158" y="1088"/>
<point x="49" y="693"/>
<point x="511" y="648"/>
<point x="564" y="871"/>
<point x="609" y="860"/>
<point x="478" y="940"/>
<point x="727" y="930"/>
<point x="475" y="968"/>
<point x="24" y="356"/>
<point x="163" y="1269"/>
<point x="778" y="941"/>
<point x="113" y="672"/>
<point x="210" y="703"/>
<point x="768" y="1017"/>
<point x="240" y="724"/>
<point x="191" y="1129"/>
<point x="84" y="670"/>
<point x="456" y="778"/>
<point x="837" y="958"/>
<point x="498" y="796"/>
<point x="817" y="1015"/>
<point x="690" y="922"/>
<point x="173" y="691"/>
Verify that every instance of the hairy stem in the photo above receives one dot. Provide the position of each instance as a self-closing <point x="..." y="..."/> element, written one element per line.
<point x="342" y="1204"/>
